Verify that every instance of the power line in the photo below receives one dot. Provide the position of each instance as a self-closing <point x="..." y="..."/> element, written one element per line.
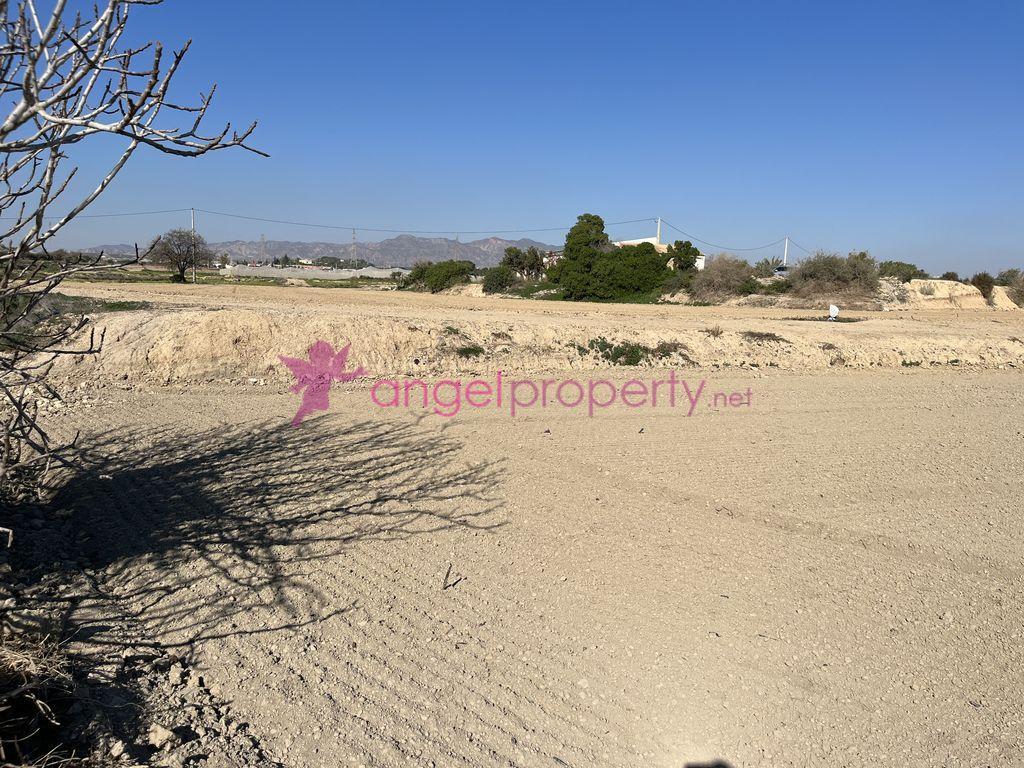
<point x="723" y="247"/>
<point x="448" y="231"/>
<point x="794" y="242"/>
<point x="101" y="215"/>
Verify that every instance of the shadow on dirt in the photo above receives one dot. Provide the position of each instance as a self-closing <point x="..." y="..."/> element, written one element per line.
<point x="228" y="531"/>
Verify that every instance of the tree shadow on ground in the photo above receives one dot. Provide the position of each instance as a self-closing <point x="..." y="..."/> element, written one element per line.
<point x="228" y="531"/>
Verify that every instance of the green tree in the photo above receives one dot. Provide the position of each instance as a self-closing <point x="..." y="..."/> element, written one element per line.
<point x="626" y="273"/>
<point x="533" y="263"/>
<point x="514" y="259"/>
<point x="950" y="276"/>
<point x="683" y="255"/>
<point x="585" y="242"/>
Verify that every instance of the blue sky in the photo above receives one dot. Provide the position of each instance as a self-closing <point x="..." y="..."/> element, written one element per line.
<point x="893" y="127"/>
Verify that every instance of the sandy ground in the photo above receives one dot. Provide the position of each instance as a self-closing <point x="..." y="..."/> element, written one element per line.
<point x="830" y="576"/>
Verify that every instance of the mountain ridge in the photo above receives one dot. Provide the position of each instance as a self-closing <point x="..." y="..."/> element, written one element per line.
<point x="400" y="251"/>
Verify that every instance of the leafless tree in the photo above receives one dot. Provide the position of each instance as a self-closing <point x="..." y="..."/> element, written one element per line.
<point x="180" y="250"/>
<point x="65" y="78"/>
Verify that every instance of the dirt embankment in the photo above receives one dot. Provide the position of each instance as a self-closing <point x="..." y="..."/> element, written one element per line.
<point x="202" y="335"/>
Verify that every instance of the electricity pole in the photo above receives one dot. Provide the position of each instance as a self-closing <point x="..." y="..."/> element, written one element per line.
<point x="658" y="239"/>
<point x="785" y="253"/>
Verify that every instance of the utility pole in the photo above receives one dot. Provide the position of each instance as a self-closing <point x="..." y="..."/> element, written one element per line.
<point x="785" y="253"/>
<point x="353" y="246"/>
<point x="658" y="239"/>
<point x="193" y="245"/>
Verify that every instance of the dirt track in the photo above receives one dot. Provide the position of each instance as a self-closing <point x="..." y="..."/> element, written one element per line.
<point x="830" y="577"/>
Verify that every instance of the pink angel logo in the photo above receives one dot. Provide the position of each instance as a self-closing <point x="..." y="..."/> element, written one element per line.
<point x="313" y="377"/>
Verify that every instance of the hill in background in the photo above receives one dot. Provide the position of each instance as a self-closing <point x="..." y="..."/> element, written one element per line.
<point x="401" y="251"/>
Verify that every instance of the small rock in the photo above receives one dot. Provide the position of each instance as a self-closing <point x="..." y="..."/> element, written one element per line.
<point x="162" y="738"/>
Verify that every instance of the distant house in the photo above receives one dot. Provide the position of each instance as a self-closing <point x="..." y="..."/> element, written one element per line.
<point x="659" y="246"/>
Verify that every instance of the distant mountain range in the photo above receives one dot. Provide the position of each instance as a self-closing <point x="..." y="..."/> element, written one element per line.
<point x="401" y="251"/>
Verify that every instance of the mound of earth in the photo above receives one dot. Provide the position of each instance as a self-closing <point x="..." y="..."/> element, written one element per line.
<point x="183" y="344"/>
<point x="1001" y="299"/>
<point x="946" y="293"/>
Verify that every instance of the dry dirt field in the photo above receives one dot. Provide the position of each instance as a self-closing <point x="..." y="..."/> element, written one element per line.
<point x="830" y="576"/>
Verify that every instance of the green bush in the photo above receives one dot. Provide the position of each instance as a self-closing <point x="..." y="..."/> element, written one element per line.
<point x="722" y="276"/>
<point x="679" y="282"/>
<point x="1016" y="292"/>
<point x="633" y="353"/>
<point x="902" y="270"/>
<point x="1009" y="277"/>
<point x="470" y="351"/>
<point x="831" y="273"/>
<point x="776" y="287"/>
<point x="499" y="279"/>
<point x="426" y="275"/>
<point x="950" y="276"/>
<point x="984" y="282"/>
<point x="750" y="286"/>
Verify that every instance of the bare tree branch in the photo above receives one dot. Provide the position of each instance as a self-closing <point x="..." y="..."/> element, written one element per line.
<point x="63" y="79"/>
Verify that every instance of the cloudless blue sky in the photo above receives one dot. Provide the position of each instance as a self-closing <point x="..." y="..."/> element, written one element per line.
<point x="888" y="126"/>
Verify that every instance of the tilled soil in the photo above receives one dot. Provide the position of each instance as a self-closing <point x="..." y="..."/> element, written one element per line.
<point x="830" y="577"/>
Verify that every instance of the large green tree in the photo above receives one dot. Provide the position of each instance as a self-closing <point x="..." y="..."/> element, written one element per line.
<point x="585" y="242"/>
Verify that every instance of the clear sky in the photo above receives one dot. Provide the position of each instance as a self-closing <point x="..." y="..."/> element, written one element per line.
<point x="894" y="127"/>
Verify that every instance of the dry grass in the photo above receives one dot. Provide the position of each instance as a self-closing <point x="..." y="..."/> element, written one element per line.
<point x="32" y="675"/>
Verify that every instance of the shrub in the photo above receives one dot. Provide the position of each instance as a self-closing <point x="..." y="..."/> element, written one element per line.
<point x="1017" y="293"/>
<point x="1009" y="277"/>
<point x="499" y="279"/>
<point x="679" y="282"/>
<point x="927" y="289"/>
<point x="775" y="287"/>
<point x="470" y="350"/>
<point x="633" y="353"/>
<point x="829" y="273"/>
<point x="902" y="270"/>
<point x="426" y="275"/>
<point x="984" y="282"/>
<point x="756" y="336"/>
<point x="766" y="267"/>
<point x="723" y="275"/>
<point x="714" y="331"/>
<point x="951" y="276"/>
<point x="626" y="273"/>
